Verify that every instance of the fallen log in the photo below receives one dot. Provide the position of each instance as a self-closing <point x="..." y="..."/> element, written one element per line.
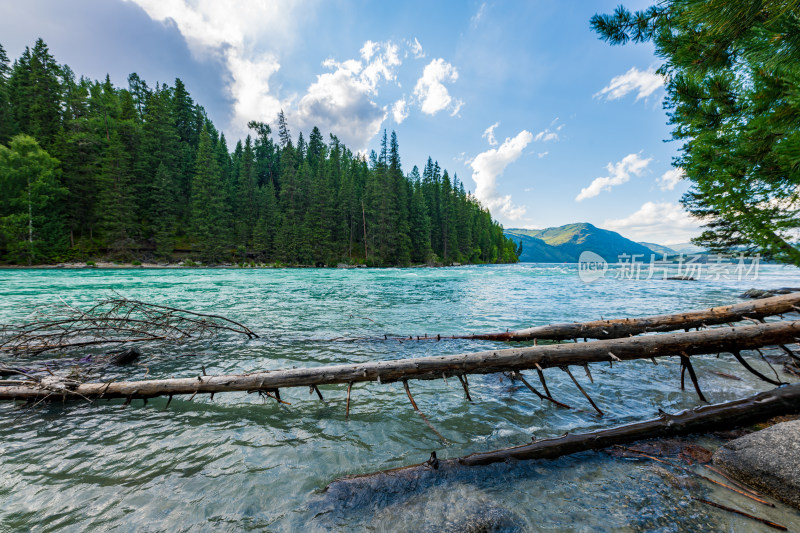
<point x="780" y="401"/>
<point x="625" y="327"/>
<point x="684" y="344"/>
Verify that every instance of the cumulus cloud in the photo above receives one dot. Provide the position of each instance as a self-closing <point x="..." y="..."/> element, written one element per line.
<point x="489" y="165"/>
<point x="430" y="92"/>
<point x="244" y="39"/>
<point x="619" y="173"/>
<point x="662" y="223"/>
<point x="489" y="134"/>
<point x="645" y="82"/>
<point x="342" y="101"/>
<point x="542" y="154"/>
<point x="670" y="179"/>
<point x="400" y="110"/>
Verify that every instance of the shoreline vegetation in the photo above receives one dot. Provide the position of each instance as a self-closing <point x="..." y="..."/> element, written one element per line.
<point x="111" y="265"/>
<point x="141" y="174"/>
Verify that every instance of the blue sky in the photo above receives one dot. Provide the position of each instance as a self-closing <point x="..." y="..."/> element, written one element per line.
<point x="544" y="122"/>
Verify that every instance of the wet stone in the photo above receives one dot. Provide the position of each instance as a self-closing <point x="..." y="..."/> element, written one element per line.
<point x="768" y="460"/>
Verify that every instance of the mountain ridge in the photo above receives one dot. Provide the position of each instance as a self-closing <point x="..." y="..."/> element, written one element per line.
<point x="564" y="244"/>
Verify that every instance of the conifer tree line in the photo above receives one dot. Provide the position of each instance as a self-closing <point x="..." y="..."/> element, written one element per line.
<point x="92" y="170"/>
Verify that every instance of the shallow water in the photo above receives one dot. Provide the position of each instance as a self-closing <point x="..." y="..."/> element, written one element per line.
<point x="238" y="463"/>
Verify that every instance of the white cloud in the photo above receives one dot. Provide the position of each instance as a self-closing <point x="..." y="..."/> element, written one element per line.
<point x="476" y="18"/>
<point x="244" y="39"/>
<point x="542" y="154"/>
<point x="368" y="49"/>
<point x="619" y="173"/>
<point x="430" y="91"/>
<point x="661" y="223"/>
<point x="400" y="110"/>
<point x="342" y="101"/>
<point x="416" y="49"/>
<point x="670" y="179"/>
<point x="250" y="88"/>
<point x="546" y="135"/>
<point x="489" y="134"/>
<point x="489" y="165"/>
<point x="248" y="39"/>
<point x="645" y="82"/>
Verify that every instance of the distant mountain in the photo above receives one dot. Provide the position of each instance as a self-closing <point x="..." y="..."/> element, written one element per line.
<point x="659" y="249"/>
<point x="688" y="248"/>
<point x="565" y="243"/>
<point x="537" y="251"/>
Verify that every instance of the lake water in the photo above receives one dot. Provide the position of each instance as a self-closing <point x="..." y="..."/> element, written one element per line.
<point x="238" y="463"/>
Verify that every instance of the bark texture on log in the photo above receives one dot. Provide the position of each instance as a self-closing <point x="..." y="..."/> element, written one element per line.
<point x="508" y="360"/>
<point x="780" y="401"/>
<point x="624" y="327"/>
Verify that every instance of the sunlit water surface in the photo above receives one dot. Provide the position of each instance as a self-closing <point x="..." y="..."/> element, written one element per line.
<point x="238" y="463"/>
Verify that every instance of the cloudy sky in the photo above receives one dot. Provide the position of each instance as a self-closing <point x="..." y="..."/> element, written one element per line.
<point x="545" y="123"/>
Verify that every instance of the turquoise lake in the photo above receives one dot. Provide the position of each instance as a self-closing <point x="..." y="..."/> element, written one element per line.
<point x="239" y="463"/>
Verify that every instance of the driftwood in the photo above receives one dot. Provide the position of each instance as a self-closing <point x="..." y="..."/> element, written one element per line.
<point x="624" y="327"/>
<point x="780" y="401"/>
<point x="684" y="344"/>
<point x="117" y="321"/>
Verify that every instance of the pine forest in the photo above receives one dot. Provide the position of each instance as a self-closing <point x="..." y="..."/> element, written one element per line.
<point x="89" y="170"/>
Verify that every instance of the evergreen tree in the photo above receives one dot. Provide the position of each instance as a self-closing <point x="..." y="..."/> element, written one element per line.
<point x="208" y="229"/>
<point x="732" y="72"/>
<point x="245" y="211"/>
<point x="165" y="212"/>
<point x="116" y="202"/>
<point x="7" y="125"/>
<point x="420" y="222"/>
<point x="79" y="147"/>
<point x="39" y="94"/>
<point x="186" y="130"/>
<point x="159" y="146"/>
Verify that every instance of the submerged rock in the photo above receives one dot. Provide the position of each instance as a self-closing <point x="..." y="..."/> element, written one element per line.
<point x="486" y="518"/>
<point x="768" y="293"/>
<point x="768" y="460"/>
<point x="125" y="357"/>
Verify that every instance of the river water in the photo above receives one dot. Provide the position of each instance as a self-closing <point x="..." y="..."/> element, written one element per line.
<point x="238" y="463"/>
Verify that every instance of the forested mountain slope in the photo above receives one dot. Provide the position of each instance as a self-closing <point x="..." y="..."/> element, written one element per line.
<point x="566" y="243"/>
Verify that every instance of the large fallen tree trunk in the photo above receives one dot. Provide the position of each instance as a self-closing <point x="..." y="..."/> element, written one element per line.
<point x="624" y="327"/>
<point x="709" y="341"/>
<point x="781" y="401"/>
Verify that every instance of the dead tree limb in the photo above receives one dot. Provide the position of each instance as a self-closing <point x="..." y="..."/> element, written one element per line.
<point x="710" y="341"/>
<point x="686" y="364"/>
<point x="780" y="401"/>
<point x="575" y="381"/>
<point x="420" y="413"/>
<point x="109" y="322"/>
